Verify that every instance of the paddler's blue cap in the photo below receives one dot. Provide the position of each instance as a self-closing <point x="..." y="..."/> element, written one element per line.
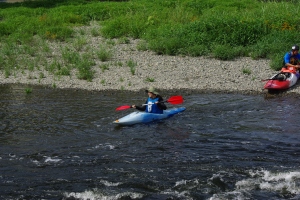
<point x="152" y="90"/>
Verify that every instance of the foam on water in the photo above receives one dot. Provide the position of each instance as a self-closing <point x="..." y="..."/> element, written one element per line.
<point x="107" y="183"/>
<point x="96" y="195"/>
<point x="52" y="160"/>
<point x="104" y="146"/>
<point x="279" y="182"/>
<point x="263" y="180"/>
<point x="179" y="190"/>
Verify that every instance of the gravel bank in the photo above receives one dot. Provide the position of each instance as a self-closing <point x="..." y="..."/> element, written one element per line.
<point x="160" y="71"/>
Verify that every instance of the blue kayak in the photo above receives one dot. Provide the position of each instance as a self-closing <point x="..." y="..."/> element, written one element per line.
<point x="144" y="117"/>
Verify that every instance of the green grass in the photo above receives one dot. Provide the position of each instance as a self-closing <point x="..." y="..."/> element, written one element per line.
<point x="104" y="67"/>
<point x="148" y="79"/>
<point x="142" y="46"/>
<point x="131" y="64"/>
<point x="28" y="90"/>
<point x="215" y="28"/>
<point x="104" y="54"/>
<point x="246" y="71"/>
<point x="84" y="67"/>
<point x="41" y="75"/>
<point x="102" y="82"/>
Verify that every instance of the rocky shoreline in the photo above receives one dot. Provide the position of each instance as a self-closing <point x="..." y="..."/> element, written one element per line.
<point x="203" y="74"/>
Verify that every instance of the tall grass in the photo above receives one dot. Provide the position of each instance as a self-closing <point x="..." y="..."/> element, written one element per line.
<point x="217" y="28"/>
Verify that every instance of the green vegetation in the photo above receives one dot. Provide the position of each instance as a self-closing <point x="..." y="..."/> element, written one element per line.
<point x="142" y="46"/>
<point x="104" y="67"/>
<point x="216" y="28"/>
<point x="246" y="71"/>
<point x="104" y="54"/>
<point x="28" y="90"/>
<point x="131" y="64"/>
<point x="102" y="82"/>
<point x="54" y="85"/>
<point x="148" y="79"/>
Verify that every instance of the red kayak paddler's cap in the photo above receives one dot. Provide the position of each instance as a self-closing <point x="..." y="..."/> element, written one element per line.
<point x="295" y="48"/>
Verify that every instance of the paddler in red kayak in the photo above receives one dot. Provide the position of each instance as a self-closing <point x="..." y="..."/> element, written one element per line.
<point x="291" y="63"/>
<point x="292" y="58"/>
<point x="154" y="103"/>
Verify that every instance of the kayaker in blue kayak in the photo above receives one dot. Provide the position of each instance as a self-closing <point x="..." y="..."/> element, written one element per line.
<point x="154" y="103"/>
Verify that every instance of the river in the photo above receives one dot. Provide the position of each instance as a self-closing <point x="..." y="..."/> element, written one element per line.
<point x="62" y="144"/>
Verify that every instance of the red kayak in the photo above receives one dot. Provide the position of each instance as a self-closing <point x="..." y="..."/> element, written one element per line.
<point x="285" y="79"/>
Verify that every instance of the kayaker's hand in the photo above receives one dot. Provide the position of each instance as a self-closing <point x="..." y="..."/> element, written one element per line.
<point x="133" y="106"/>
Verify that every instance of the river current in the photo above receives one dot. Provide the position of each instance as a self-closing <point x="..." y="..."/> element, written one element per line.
<point x="62" y="144"/>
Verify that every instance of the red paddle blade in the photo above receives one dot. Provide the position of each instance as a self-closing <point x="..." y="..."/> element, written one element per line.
<point x="175" y="100"/>
<point x="123" y="107"/>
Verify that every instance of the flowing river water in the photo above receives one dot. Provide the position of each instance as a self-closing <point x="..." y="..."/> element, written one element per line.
<point x="62" y="144"/>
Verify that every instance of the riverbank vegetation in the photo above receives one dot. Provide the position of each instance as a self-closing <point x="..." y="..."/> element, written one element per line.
<point x="48" y="34"/>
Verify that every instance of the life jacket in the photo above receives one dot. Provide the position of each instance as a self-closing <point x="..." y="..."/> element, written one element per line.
<point x="289" y="69"/>
<point x="293" y="59"/>
<point x="152" y="107"/>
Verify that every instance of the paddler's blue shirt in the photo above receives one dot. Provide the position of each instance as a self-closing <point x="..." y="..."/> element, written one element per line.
<point x="152" y="107"/>
<point x="290" y="58"/>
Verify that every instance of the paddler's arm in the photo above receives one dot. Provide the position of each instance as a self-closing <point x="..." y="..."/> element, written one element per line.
<point x="291" y="65"/>
<point x="141" y="108"/>
<point x="160" y="104"/>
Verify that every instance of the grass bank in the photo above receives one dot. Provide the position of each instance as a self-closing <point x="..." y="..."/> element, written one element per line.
<point x="48" y="34"/>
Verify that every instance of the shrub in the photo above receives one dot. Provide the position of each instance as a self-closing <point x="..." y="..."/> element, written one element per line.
<point x="276" y="61"/>
<point x="246" y="71"/>
<point x="64" y="71"/>
<point x="104" y="54"/>
<point x="104" y="67"/>
<point x="131" y="64"/>
<point x="59" y="33"/>
<point x="224" y="52"/>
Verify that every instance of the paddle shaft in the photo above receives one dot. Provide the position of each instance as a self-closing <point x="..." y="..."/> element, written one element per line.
<point x="172" y="100"/>
<point x="145" y="104"/>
